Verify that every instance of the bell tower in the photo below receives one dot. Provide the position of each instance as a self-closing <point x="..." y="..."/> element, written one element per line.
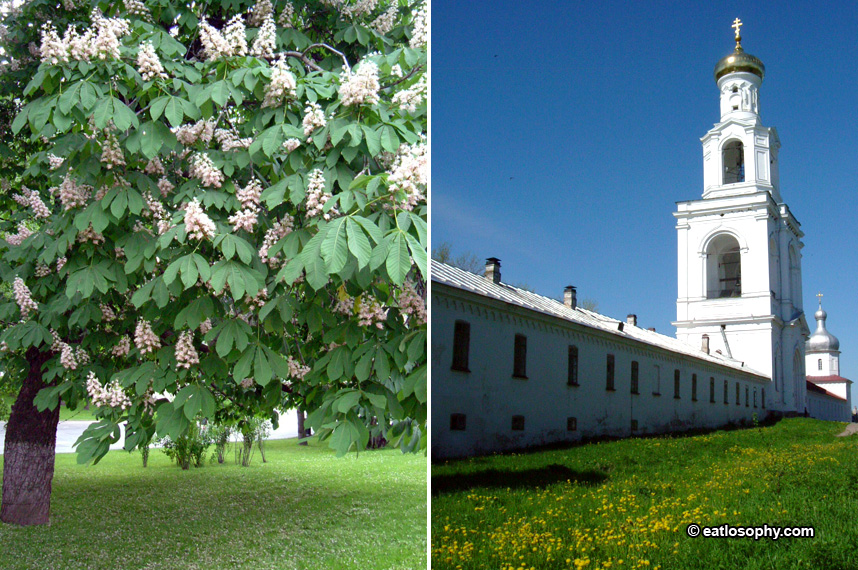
<point x="739" y="257"/>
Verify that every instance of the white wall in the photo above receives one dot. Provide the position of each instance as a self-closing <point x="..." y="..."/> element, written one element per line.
<point x="489" y="395"/>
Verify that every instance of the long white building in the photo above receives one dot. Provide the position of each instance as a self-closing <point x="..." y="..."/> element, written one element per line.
<point x="512" y="369"/>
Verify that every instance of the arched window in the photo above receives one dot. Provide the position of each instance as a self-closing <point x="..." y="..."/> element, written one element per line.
<point x="734" y="162"/>
<point x="723" y="268"/>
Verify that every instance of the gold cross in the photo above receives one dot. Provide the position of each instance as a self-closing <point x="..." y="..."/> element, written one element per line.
<point x="819" y="296"/>
<point x="737" y="23"/>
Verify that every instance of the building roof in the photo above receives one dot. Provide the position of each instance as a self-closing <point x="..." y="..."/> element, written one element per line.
<point x="811" y="387"/>
<point x="833" y="379"/>
<point x="464" y="280"/>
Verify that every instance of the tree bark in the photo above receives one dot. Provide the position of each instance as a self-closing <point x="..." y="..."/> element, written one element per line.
<point x="28" y="464"/>
<point x="301" y="432"/>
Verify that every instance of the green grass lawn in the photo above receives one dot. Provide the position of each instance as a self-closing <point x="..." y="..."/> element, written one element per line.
<point x="65" y="414"/>
<point x="304" y="509"/>
<point x="627" y="504"/>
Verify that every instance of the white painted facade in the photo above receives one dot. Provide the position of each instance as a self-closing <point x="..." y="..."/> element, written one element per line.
<point x="550" y="409"/>
<point x="829" y="394"/>
<point x="739" y="250"/>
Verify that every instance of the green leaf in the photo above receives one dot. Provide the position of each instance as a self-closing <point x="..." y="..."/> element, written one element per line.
<point x="261" y="368"/>
<point x="389" y="139"/>
<point x="334" y="247"/>
<point x="382" y="366"/>
<point x="358" y="243"/>
<point x="156" y="108"/>
<point x="418" y="253"/>
<point x="220" y="92"/>
<point x="346" y="402"/>
<point x="398" y="261"/>
<point x="174" y="111"/>
<point x="373" y="140"/>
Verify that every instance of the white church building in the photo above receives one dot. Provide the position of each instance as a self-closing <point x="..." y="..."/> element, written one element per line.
<point x="513" y="369"/>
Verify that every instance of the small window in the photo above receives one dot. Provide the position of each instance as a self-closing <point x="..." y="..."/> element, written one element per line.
<point x="819" y="364"/>
<point x="656" y="372"/>
<point x="520" y="361"/>
<point x="572" y="379"/>
<point x="676" y="384"/>
<point x="571" y="424"/>
<point x="726" y="398"/>
<point x="738" y="397"/>
<point x="461" y="345"/>
<point x="755" y="397"/>
<point x="518" y="423"/>
<point x="747" y="399"/>
<point x="712" y="389"/>
<point x="457" y="422"/>
<point x="635" y="377"/>
<point x="634" y="425"/>
<point x="735" y="89"/>
<point x="763" y="398"/>
<point x="609" y="373"/>
<point x="694" y="387"/>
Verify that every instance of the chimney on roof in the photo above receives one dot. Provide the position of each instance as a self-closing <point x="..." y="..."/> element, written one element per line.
<point x="651" y="329"/>
<point x="493" y="269"/>
<point x="632" y="320"/>
<point x="570" y="297"/>
<point x="620" y="326"/>
<point x="705" y="345"/>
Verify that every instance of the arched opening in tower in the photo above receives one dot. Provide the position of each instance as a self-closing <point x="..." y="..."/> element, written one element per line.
<point x="734" y="162"/>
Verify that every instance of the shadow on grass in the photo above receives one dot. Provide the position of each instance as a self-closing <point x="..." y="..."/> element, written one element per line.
<point x="528" y="478"/>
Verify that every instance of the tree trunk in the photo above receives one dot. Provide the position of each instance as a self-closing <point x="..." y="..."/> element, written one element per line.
<point x="28" y="465"/>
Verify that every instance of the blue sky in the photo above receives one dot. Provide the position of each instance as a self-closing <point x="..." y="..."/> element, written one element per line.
<point x="563" y="134"/>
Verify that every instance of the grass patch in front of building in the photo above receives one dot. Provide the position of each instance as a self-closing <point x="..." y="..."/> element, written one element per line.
<point x="628" y="503"/>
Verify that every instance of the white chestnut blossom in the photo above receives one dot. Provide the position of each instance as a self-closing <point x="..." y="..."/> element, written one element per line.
<point x="420" y="35"/>
<point x="67" y="359"/>
<point x="72" y="194"/>
<point x="186" y="354"/>
<point x="229" y="140"/>
<point x="122" y="348"/>
<point x="203" y="168"/>
<point x="244" y="220"/>
<point x="199" y="131"/>
<point x="88" y="234"/>
<point x="53" y="50"/>
<point x="55" y="161"/>
<point x="165" y="186"/>
<point x="384" y="23"/>
<point x="282" y="86"/>
<point x="409" y="174"/>
<point x="412" y="304"/>
<point x="107" y="313"/>
<point x="215" y="45"/>
<point x="154" y="167"/>
<point x="111" y="394"/>
<point x="291" y="144"/>
<point x="360" y="87"/>
<point x="145" y="339"/>
<point x="274" y="234"/>
<point x="40" y="210"/>
<point x="286" y="16"/>
<point x="314" y="118"/>
<point x="249" y="195"/>
<point x="137" y="8"/>
<point x="23" y="297"/>
<point x="296" y="369"/>
<point x="235" y="35"/>
<point x="409" y="99"/>
<point x="261" y="11"/>
<point x="23" y="233"/>
<point x="197" y="224"/>
<point x="42" y="270"/>
<point x="266" y="39"/>
<point x="111" y="152"/>
<point x="317" y="197"/>
<point x="205" y="326"/>
<point x="148" y="63"/>
<point x="61" y="262"/>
